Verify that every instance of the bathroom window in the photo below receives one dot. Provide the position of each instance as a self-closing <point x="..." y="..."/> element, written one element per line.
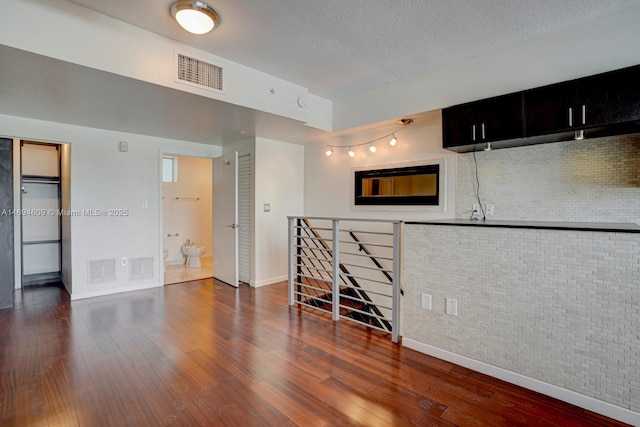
<point x="169" y="169"/>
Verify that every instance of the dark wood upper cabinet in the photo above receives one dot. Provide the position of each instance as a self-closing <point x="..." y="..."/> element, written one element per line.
<point x="489" y="120"/>
<point x="601" y="105"/>
<point x="600" y="100"/>
<point x="610" y="98"/>
<point x="549" y="109"/>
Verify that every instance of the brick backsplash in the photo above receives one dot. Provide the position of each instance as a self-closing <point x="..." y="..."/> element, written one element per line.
<point x="562" y="307"/>
<point x="595" y="180"/>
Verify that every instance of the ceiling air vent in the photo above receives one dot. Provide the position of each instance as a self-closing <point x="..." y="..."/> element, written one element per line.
<point x="199" y="73"/>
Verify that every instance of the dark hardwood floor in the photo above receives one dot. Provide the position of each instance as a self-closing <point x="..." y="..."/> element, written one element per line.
<point x="203" y="353"/>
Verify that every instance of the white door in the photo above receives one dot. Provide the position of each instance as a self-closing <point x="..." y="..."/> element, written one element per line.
<point x="244" y="217"/>
<point x="225" y="219"/>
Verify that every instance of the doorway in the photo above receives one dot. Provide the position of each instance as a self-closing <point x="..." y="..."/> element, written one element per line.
<point x="187" y="203"/>
<point x="172" y="239"/>
<point x="40" y="201"/>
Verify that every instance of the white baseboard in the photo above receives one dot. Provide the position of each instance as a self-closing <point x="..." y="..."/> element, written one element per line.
<point x="103" y="292"/>
<point x="577" y="399"/>
<point x="271" y="281"/>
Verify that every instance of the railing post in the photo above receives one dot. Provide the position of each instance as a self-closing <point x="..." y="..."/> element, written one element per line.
<point x="299" y="259"/>
<point x="395" y="298"/>
<point x="335" y="236"/>
<point x="291" y="263"/>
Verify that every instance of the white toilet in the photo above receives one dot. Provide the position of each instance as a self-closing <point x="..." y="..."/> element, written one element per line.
<point x="193" y="254"/>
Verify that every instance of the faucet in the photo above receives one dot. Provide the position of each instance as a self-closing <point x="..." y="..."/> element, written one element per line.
<point x="188" y="242"/>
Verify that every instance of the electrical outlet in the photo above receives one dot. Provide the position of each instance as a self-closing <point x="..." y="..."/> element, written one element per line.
<point x="451" y="306"/>
<point x="475" y="211"/>
<point x="489" y="210"/>
<point x="426" y="301"/>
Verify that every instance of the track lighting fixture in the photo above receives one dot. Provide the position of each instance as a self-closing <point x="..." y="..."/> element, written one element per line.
<point x="372" y="148"/>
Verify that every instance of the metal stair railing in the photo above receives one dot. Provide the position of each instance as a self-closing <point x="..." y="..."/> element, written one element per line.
<point x="324" y="277"/>
<point x="362" y="295"/>
<point x="372" y="257"/>
<point x="312" y="259"/>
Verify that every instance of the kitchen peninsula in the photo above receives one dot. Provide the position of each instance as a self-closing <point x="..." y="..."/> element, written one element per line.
<point x="555" y="309"/>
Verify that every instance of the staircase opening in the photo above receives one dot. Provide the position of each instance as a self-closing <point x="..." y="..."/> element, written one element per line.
<point x="351" y="273"/>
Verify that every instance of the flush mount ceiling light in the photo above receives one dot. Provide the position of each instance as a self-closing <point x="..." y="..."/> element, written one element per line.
<point x="194" y="16"/>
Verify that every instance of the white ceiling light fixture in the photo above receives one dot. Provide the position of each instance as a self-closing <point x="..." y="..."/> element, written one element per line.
<point x="194" y="16"/>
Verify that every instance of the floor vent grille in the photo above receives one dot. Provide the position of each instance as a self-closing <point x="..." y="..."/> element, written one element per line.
<point x="200" y="73"/>
<point x="102" y="270"/>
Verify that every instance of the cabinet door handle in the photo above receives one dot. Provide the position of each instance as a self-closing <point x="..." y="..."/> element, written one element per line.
<point x="584" y="114"/>
<point x="570" y="116"/>
<point x="473" y="132"/>
<point x="483" y="136"/>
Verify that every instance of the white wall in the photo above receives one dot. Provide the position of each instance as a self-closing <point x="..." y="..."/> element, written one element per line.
<point x="279" y="181"/>
<point x="104" y="178"/>
<point x="328" y="180"/>
<point x="190" y="219"/>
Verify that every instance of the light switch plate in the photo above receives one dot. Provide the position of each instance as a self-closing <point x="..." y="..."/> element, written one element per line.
<point x="123" y="146"/>
<point x="267" y="207"/>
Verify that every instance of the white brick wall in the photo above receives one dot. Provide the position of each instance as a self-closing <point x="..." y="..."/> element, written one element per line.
<point x="562" y="307"/>
<point x="594" y="180"/>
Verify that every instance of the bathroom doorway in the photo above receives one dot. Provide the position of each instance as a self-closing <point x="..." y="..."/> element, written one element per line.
<point x="187" y="217"/>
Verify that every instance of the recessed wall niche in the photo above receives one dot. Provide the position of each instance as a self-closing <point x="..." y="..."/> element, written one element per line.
<point x="401" y="186"/>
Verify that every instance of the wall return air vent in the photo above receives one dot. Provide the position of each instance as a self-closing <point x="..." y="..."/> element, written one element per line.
<point x="199" y="73"/>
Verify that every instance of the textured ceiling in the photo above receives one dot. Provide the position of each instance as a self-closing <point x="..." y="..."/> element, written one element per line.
<point x="336" y="48"/>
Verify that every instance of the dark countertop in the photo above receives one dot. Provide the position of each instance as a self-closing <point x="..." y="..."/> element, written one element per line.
<point x="614" y="227"/>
